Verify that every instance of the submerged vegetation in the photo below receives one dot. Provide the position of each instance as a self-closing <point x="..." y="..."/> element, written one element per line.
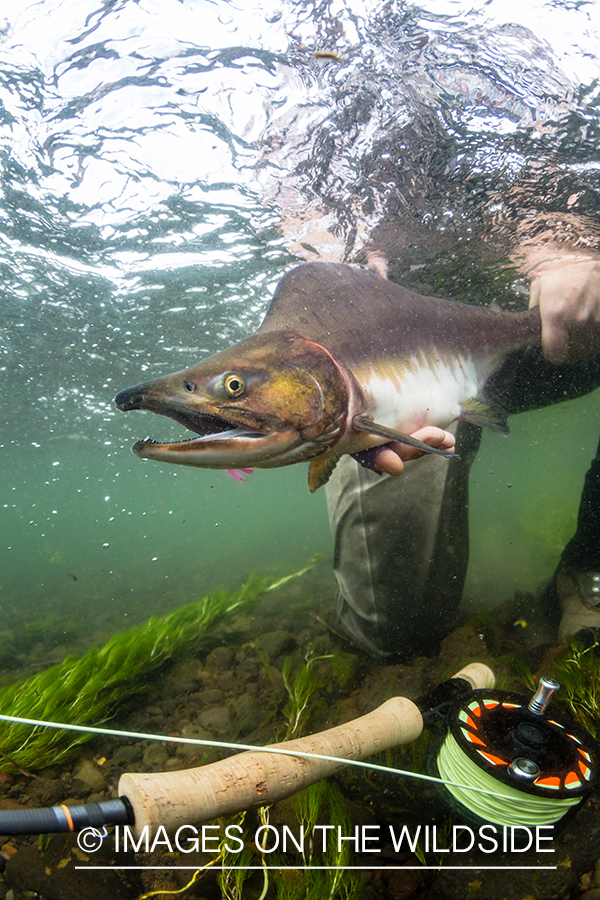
<point x="577" y="670"/>
<point x="320" y="874"/>
<point x="302" y="686"/>
<point x="89" y="690"/>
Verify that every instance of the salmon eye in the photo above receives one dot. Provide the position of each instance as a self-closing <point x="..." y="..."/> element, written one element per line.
<point x="234" y="384"/>
<point x="189" y="386"/>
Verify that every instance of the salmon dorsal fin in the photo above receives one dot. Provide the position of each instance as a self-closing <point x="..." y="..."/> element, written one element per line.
<point x="319" y="472"/>
<point x="366" y="424"/>
<point x="484" y="414"/>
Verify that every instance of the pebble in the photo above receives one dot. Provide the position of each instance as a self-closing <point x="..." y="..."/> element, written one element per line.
<point x="155" y="757"/>
<point x="185" y="685"/>
<point x="274" y="643"/>
<point x="89" y="773"/>
<point x="217" y="718"/>
<point x="79" y="788"/>
<point x="127" y="753"/>
<point x="219" y="659"/>
<point x="212" y="695"/>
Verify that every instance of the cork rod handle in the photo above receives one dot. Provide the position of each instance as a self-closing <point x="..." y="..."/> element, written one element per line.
<point x="258" y="777"/>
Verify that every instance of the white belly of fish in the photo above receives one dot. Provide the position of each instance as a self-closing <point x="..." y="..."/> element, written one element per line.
<point x="423" y="392"/>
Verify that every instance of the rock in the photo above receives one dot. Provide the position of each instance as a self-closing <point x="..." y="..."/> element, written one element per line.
<point x="212" y="695"/>
<point x="390" y="681"/>
<point x="594" y="894"/>
<point x="46" y="791"/>
<point x="463" y="644"/>
<point x="274" y="643"/>
<point x="228" y="681"/>
<point x="155" y="757"/>
<point x="248" y="668"/>
<point x="195" y="731"/>
<point x="220" y="659"/>
<point x="245" y="711"/>
<point x="185" y="685"/>
<point x="192" y="751"/>
<point x="217" y="718"/>
<point x="88" y="772"/>
<point x="403" y="885"/>
<point x="127" y="753"/>
<point x="79" y="789"/>
<point x="187" y="752"/>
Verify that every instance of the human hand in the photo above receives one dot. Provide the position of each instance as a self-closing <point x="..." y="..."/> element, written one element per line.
<point x="389" y="458"/>
<point x="567" y="290"/>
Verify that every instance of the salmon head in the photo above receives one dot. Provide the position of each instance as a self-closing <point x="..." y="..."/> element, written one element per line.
<point x="270" y="400"/>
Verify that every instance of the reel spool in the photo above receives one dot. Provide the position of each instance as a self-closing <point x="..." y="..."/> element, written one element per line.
<point x="541" y="767"/>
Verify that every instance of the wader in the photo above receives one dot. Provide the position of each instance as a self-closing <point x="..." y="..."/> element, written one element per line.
<point x="401" y="545"/>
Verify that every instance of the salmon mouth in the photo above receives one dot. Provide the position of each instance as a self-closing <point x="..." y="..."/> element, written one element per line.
<point x="205" y="426"/>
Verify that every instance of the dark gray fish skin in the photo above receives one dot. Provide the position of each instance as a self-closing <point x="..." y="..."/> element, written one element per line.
<point x="355" y="312"/>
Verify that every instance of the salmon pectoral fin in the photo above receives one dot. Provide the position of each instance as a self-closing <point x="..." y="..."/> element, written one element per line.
<point x="319" y="472"/>
<point x="366" y="424"/>
<point x="484" y="414"/>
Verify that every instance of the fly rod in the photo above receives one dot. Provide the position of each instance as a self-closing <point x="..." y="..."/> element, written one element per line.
<point x="257" y="778"/>
<point x="252" y="778"/>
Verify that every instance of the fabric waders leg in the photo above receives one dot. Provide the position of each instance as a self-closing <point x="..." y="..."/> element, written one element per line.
<point x="401" y="549"/>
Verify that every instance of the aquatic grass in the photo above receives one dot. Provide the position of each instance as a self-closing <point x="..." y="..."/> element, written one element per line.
<point x="300" y="689"/>
<point x="307" y="681"/>
<point x="322" y="801"/>
<point x="88" y="690"/>
<point x="577" y="670"/>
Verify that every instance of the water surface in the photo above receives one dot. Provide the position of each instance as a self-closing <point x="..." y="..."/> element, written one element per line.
<point x="164" y="162"/>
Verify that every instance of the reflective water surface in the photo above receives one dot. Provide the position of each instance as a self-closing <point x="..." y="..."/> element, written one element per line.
<point x="164" y="162"/>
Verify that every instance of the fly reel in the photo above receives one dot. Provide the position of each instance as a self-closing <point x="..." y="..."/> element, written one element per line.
<point x="529" y="768"/>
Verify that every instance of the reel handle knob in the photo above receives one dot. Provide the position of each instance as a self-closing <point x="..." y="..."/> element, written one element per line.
<point x="524" y="769"/>
<point x="542" y="696"/>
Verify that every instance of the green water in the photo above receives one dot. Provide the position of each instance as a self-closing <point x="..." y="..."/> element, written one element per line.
<point x="524" y="498"/>
<point x="139" y="537"/>
<point x="109" y="539"/>
<point x="163" y="164"/>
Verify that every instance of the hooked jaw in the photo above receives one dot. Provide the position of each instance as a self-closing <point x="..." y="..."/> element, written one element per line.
<point x="222" y="444"/>
<point x="272" y="400"/>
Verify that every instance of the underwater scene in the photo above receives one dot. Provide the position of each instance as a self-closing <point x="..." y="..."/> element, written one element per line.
<point x="168" y="167"/>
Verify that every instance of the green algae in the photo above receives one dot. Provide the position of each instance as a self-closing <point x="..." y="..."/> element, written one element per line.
<point x="89" y="690"/>
<point x="320" y="873"/>
<point x="577" y="670"/>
